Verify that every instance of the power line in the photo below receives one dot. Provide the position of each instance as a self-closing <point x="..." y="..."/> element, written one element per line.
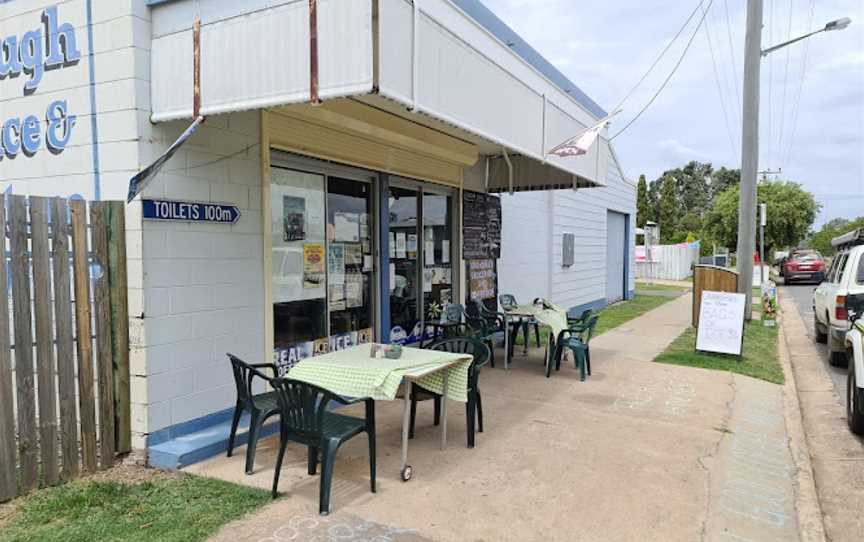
<point x="797" y="103"/>
<point x="732" y="54"/>
<point x="770" y="123"/>
<point x="661" y="55"/>
<point x="785" y="83"/>
<point x="669" y="77"/>
<point x="732" y="140"/>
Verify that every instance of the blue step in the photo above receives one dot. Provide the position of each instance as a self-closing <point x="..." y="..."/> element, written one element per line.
<point x="193" y="444"/>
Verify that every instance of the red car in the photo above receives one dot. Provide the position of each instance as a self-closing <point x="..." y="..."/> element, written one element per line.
<point x="803" y="265"/>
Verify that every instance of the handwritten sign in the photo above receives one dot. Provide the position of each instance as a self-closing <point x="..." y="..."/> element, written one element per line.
<point x="721" y="323"/>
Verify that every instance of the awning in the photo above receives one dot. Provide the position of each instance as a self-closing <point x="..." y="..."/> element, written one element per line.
<point x="433" y="63"/>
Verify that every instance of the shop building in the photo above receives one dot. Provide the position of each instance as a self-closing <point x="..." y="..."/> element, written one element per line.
<point x="345" y="137"/>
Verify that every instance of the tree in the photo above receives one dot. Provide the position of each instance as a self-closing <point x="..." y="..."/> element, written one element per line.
<point x="821" y="240"/>
<point x="791" y="212"/>
<point x="643" y="205"/>
<point x="668" y="210"/>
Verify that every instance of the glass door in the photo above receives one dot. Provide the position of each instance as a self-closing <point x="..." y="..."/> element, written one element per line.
<point x="437" y="276"/>
<point x="323" y="270"/>
<point x="349" y="261"/>
<point x="404" y="270"/>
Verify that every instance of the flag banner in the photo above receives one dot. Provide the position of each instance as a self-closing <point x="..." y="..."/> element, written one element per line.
<point x="139" y="181"/>
<point x="582" y="142"/>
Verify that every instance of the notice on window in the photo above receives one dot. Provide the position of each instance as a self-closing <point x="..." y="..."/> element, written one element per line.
<point x="429" y="254"/>
<point x="313" y="265"/>
<point x="401" y="245"/>
<point x="412" y="245"/>
<point x="347" y="227"/>
<point x="336" y="264"/>
<point x="354" y="291"/>
<point x="367" y="263"/>
<point x="445" y="251"/>
<point x="336" y="297"/>
<point x="392" y="245"/>
<point x="427" y="280"/>
<point x="353" y="255"/>
<point x="293" y="218"/>
<point x="392" y="277"/>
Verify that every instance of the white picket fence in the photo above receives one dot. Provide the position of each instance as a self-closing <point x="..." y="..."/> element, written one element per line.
<point x="667" y="262"/>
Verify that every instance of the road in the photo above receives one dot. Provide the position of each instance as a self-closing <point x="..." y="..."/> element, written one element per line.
<point x="802" y="294"/>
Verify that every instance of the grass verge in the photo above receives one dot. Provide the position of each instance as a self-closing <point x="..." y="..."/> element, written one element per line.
<point x="166" y="508"/>
<point x="643" y="286"/>
<point x="760" y="359"/>
<point x="613" y="315"/>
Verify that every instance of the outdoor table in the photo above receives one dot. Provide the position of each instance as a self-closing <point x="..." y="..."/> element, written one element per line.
<point x="353" y="373"/>
<point x="549" y="315"/>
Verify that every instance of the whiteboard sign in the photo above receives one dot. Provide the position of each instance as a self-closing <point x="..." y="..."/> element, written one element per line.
<point x="721" y="323"/>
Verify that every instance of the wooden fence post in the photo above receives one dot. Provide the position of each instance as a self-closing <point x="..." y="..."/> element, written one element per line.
<point x="102" y="300"/>
<point x="8" y="460"/>
<point x="119" y="324"/>
<point x="44" y="323"/>
<point x="65" y="344"/>
<point x="26" y="393"/>
<point x="84" y="343"/>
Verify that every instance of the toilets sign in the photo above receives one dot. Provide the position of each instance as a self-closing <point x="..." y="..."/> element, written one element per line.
<point x="25" y="59"/>
<point x="189" y="211"/>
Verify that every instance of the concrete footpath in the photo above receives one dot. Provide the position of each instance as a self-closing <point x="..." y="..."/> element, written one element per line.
<point x="640" y="451"/>
<point x="837" y="455"/>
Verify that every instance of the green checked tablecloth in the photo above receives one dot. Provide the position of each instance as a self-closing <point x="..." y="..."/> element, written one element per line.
<point x="555" y="317"/>
<point x="353" y="373"/>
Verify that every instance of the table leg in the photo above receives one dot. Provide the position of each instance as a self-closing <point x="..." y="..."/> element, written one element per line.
<point x="506" y="342"/>
<point x="406" y="421"/>
<point x="444" y="411"/>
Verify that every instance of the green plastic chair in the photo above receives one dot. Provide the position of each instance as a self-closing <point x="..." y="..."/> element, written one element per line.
<point x="508" y="302"/>
<point x="260" y="406"/>
<point x="474" y="407"/>
<point x="579" y="343"/>
<point x="450" y="324"/>
<point x="305" y="419"/>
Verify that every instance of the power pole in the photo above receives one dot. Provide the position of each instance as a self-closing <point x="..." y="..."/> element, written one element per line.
<point x="749" y="152"/>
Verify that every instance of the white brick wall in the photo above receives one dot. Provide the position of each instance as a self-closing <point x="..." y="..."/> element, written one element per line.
<point x="202" y="283"/>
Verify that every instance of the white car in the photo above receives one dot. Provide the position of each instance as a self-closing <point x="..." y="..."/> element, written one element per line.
<point x="845" y="277"/>
<point x="855" y="378"/>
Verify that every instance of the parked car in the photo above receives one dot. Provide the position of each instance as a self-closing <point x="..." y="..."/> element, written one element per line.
<point x="803" y="265"/>
<point x="844" y="278"/>
<point x="855" y="377"/>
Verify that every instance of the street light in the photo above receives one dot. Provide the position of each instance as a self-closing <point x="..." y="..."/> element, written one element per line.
<point x="753" y="54"/>
<point x="839" y="24"/>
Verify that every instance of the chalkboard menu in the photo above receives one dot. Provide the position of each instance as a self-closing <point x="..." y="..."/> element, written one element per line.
<point x="481" y="226"/>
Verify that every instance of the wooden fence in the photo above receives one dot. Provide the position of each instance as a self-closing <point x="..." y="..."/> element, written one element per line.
<point x="64" y="405"/>
<point x="667" y="262"/>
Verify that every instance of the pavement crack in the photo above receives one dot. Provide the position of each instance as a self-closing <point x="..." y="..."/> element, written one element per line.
<point x="724" y="431"/>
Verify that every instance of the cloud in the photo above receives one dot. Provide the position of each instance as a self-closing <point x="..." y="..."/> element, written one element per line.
<point x="604" y="47"/>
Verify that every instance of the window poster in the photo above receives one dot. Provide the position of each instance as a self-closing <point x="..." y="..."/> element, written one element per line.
<point x="354" y="290"/>
<point x="392" y="277"/>
<point x="412" y="245"/>
<point x="286" y="358"/>
<point x="321" y="346"/>
<point x="392" y="245"/>
<point x="336" y="297"/>
<point x="347" y="226"/>
<point x="353" y="255"/>
<point x="313" y="265"/>
<point x="293" y="218"/>
<point x="427" y="279"/>
<point x="401" y="244"/>
<point x="429" y="253"/>
<point x="445" y="251"/>
<point x="482" y="279"/>
<point x="336" y="264"/>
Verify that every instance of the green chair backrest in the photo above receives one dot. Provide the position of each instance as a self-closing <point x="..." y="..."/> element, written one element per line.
<point x="466" y="345"/>
<point x="508" y="301"/>
<point x="302" y="406"/>
<point x="452" y="314"/>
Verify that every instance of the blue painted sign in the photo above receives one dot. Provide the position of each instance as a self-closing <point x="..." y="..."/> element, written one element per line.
<point x="49" y="46"/>
<point x="190" y="211"/>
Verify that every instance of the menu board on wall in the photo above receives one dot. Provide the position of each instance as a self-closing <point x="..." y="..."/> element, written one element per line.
<point x="481" y="226"/>
<point x="482" y="280"/>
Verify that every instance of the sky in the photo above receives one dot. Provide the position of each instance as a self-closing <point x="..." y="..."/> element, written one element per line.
<point x="605" y="47"/>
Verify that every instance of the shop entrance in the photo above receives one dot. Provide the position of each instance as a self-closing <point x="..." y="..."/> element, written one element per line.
<point x="323" y="279"/>
<point x="421" y="256"/>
